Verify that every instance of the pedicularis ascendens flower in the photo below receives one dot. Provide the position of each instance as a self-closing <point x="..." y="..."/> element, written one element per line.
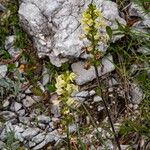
<point x="64" y="88"/>
<point x="94" y="25"/>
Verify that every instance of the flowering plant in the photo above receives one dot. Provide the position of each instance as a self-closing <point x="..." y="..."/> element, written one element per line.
<point x="65" y="88"/>
<point x="94" y="25"/>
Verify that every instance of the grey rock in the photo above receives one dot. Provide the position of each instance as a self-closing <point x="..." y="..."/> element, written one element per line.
<point x="6" y="103"/>
<point x="85" y="76"/>
<point x="45" y="75"/>
<point x="29" y="133"/>
<point x="81" y="96"/>
<point x="28" y="101"/>
<point x="112" y="82"/>
<point x="9" y="46"/>
<point x="31" y="144"/>
<point x="2" y="8"/>
<point x="25" y="120"/>
<point x="136" y="94"/>
<point x="21" y="112"/>
<point x="28" y="91"/>
<point x="99" y="108"/>
<point x="50" y="137"/>
<point x="8" y="128"/>
<point x="133" y="70"/>
<point x="17" y="106"/>
<point x="39" y="138"/>
<point x="55" y="110"/>
<point x="56" y="28"/>
<point x="42" y="126"/>
<point x="2" y="145"/>
<point x="19" y="137"/>
<point x="18" y="128"/>
<point x="72" y="128"/>
<point x="3" y="71"/>
<point x="51" y="124"/>
<point x="136" y="10"/>
<point x="7" y="115"/>
<point x="144" y="50"/>
<point x="44" y="119"/>
<point x="97" y="99"/>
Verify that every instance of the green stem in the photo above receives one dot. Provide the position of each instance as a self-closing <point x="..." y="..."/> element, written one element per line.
<point x="107" y="110"/>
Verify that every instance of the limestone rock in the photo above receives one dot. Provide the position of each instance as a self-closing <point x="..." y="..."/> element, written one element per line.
<point x="55" y="25"/>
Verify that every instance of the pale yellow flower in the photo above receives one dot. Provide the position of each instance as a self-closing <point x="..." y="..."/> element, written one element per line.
<point x="60" y="84"/>
<point x="72" y="76"/>
<point x="70" y="101"/>
<point x="59" y="91"/>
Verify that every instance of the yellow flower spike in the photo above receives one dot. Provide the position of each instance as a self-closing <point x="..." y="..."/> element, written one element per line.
<point x="66" y="111"/>
<point x="60" y="83"/>
<point x="59" y="91"/>
<point x="72" y="76"/>
<point x="70" y="101"/>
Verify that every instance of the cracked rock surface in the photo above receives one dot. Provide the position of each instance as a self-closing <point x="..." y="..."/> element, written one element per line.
<point x="56" y="28"/>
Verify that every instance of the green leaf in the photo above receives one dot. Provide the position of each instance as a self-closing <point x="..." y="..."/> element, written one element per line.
<point x="37" y="91"/>
<point x="51" y="87"/>
<point x="109" y="31"/>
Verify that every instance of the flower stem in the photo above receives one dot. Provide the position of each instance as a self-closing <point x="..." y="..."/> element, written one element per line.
<point x="106" y="107"/>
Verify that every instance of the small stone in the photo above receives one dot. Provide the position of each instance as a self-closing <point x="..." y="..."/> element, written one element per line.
<point x="28" y="101"/>
<point x="17" y="106"/>
<point x="136" y="94"/>
<point x="55" y="110"/>
<point x="144" y="50"/>
<point x="112" y="82"/>
<point x="44" y="119"/>
<point x="84" y="76"/>
<point x="9" y="46"/>
<point x="2" y="9"/>
<point x="21" y="112"/>
<point x="135" y="107"/>
<point x="81" y="96"/>
<point x="42" y="126"/>
<point x="51" y="124"/>
<point x="6" y="103"/>
<point x="30" y="133"/>
<point x="18" y="128"/>
<point x="133" y="70"/>
<point x="7" y="115"/>
<point x="48" y="138"/>
<point x="131" y="105"/>
<point x="72" y="128"/>
<point x="25" y="120"/>
<point x="31" y="144"/>
<point x="2" y="144"/>
<point x="28" y="91"/>
<point x="39" y="138"/>
<point x="3" y="71"/>
<point x="92" y="92"/>
<point x="100" y="108"/>
<point x="97" y="99"/>
<point x="45" y="75"/>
